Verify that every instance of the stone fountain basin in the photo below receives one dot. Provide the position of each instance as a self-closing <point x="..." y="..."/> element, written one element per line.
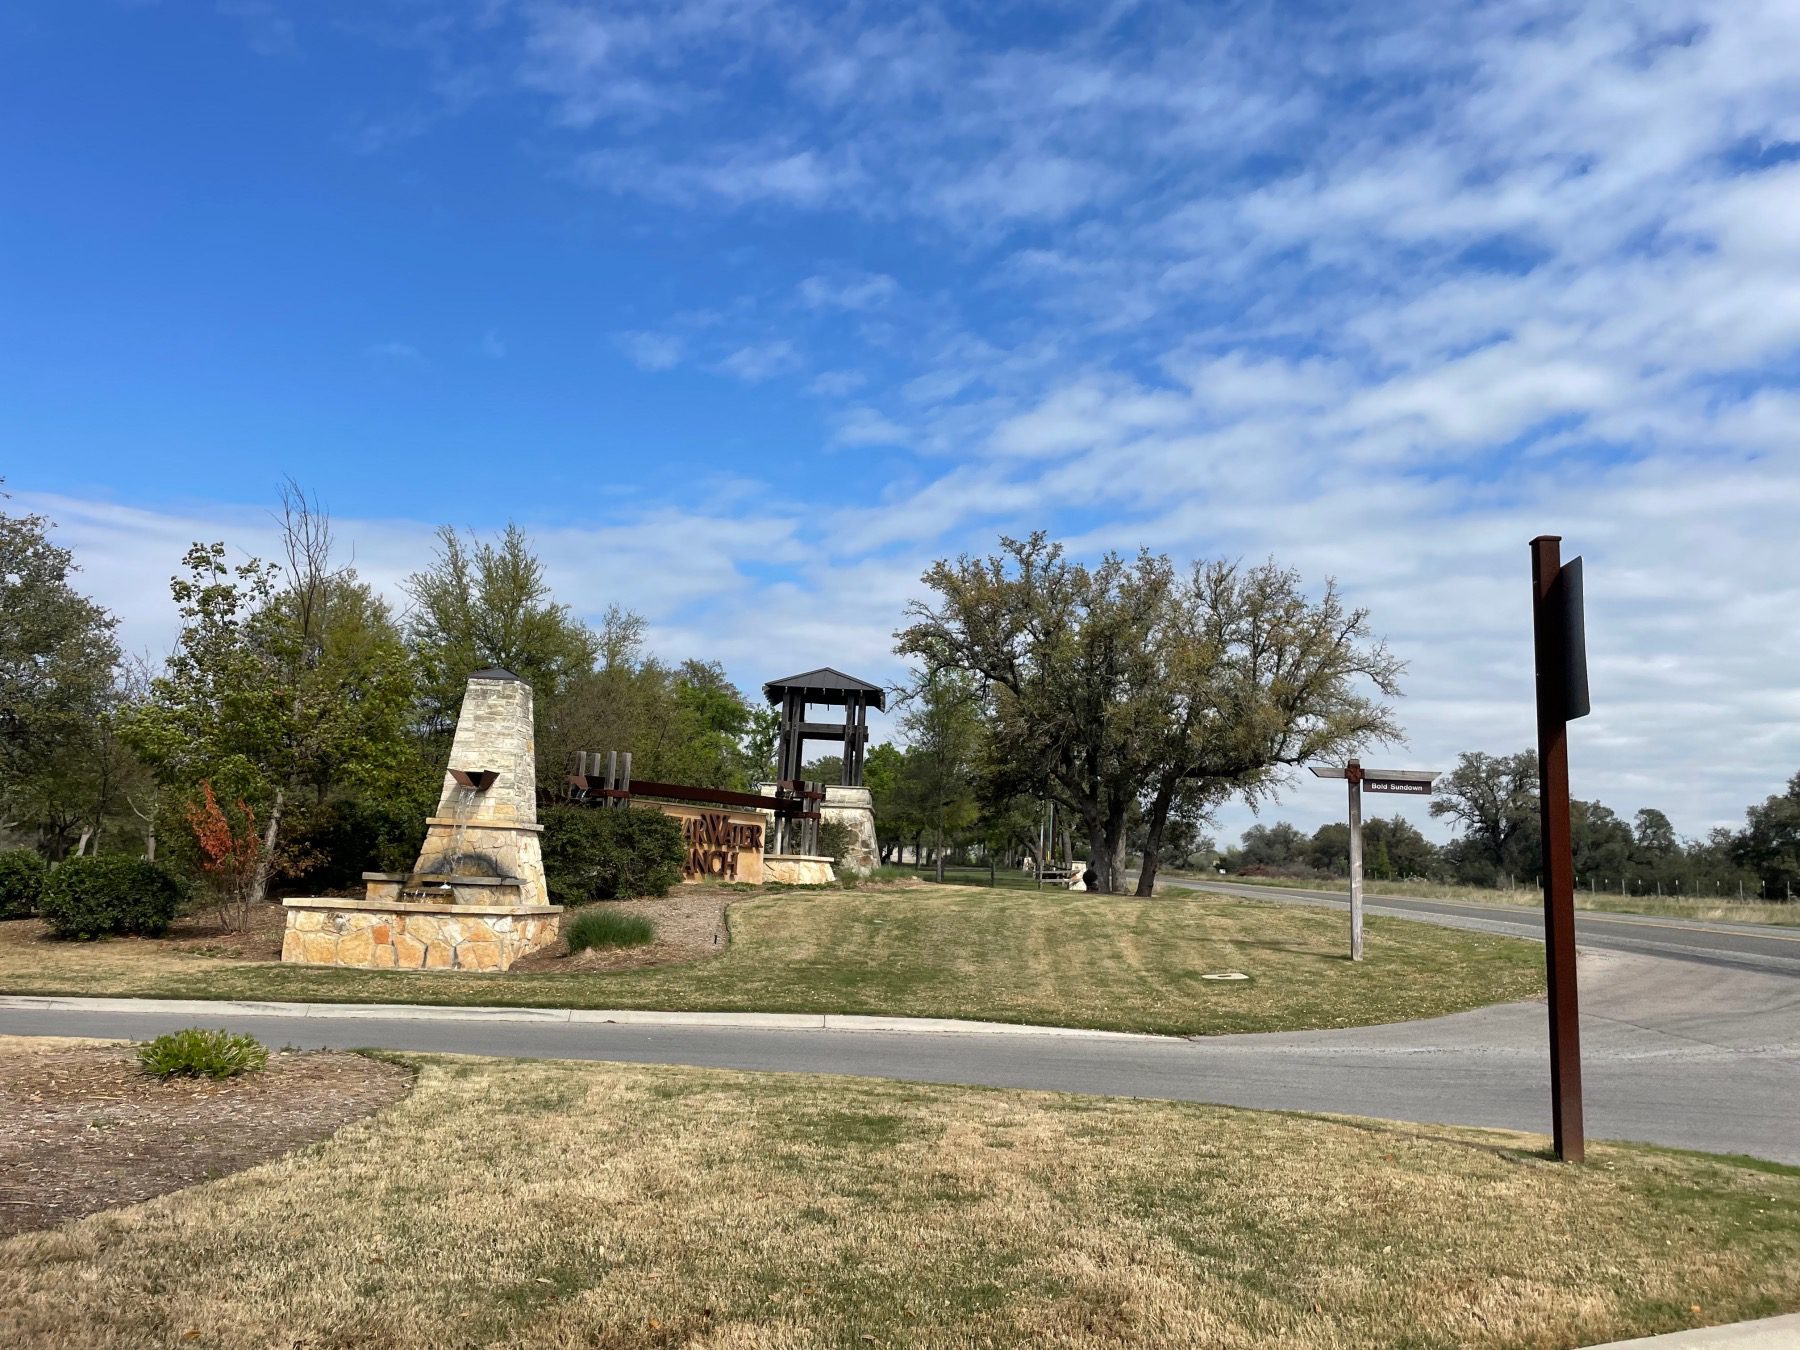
<point x="397" y="934"/>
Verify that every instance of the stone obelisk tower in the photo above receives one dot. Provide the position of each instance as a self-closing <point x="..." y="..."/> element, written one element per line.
<point x="486" y="820"/>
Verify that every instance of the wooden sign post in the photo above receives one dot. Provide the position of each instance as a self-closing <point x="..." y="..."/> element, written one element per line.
<point x="1413" y="782"/>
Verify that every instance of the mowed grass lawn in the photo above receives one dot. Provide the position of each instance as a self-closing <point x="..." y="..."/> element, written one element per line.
<point x="557" y="1204"/>
<point x="1107" y="962"/>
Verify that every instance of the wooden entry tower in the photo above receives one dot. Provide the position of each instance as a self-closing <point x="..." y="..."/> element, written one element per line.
<point x="831" y="688"/>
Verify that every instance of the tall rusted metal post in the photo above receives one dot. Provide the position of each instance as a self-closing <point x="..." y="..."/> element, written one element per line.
<point x="1355" y="776"/>
<point x="1550" y="628"/>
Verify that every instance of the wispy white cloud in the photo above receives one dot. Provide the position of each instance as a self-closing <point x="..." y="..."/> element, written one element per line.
<point x="865" y="426"/>
<point x="762" y="361"/>
<point x="740" y="176"/>
<point x="836" y="383"/>
<point x="268" y="31"/>
<point x="651" y="351"/>
<point x="849" y="290"/>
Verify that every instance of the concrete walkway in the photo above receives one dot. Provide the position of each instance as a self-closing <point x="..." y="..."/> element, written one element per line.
<point x="1772" y="1333"/>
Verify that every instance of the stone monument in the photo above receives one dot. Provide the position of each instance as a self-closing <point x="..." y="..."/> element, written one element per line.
<point x="476" y="899"/>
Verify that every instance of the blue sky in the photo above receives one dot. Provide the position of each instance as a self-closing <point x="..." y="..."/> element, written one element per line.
<point x="747" y="311"/>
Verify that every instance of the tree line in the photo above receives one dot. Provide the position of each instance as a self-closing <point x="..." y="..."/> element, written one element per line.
<point x="1493" y="802"/>
<point x="298" y="731"/>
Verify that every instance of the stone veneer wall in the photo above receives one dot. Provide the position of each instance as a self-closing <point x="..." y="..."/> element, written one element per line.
<point x="414" y="936"/>
<point x="855" y="807"/>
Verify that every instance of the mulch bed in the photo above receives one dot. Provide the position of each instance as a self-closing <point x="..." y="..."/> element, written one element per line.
<point x="82" y="1128"/>
<point x="199" y="933"/>
<point x="690" y="926"/>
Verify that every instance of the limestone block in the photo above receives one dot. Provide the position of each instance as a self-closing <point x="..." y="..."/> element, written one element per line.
<point x="439" y="956"/>
<point x="355" y="948"/>
<point x="798" y="869"/>
<point x="353" y="922"/>
<point x="381" y="934"/>
<point x="382" y="958"/>
<point x="290" y="945"/>
<point x="461" y="930"/>
<point x="480" y="955"/>
<point x="409" y="952"/>
<point x="424" y="927"/>
<point x="306" y="920"/>
<point x="320" y="949"/>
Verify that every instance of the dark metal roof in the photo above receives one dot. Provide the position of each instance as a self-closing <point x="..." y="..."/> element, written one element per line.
<point x="495" y="673"/>
<point x="829" y="686"/>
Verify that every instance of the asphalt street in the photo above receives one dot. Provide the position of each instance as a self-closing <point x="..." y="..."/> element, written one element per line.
<point x="1739" y="946"/>
<point x="1691" y="1038"/>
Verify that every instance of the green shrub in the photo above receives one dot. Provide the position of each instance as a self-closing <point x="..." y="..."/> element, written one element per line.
<point x="608" y="928"/>
<point x="195" y="1053"/>
<point x="89" y="898"/>
<point x="836" y="840"/>
<point x="22" y="878"/>
<point x="601" y="853"/>
<point x="338" y="841"/>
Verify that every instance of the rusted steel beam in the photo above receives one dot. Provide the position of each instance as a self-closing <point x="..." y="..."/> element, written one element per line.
<point x="1550" y="640"/>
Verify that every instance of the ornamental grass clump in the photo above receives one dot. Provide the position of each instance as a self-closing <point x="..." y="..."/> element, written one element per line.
<point x="605" y="928"/>
<point x="196" y="1053"/>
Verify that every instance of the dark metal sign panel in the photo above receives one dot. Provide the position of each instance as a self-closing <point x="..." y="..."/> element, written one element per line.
<point x="1412" y="787"/>
<point x="1566" y="595"/>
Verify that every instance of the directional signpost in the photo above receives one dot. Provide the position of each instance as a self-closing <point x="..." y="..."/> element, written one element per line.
<point x="1411" y="782"/>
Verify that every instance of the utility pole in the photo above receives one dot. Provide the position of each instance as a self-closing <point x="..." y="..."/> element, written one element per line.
<point x="1560" y="647"/>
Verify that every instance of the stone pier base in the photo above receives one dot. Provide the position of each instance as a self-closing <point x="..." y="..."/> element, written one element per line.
<point x="408" y="935"/>
<point x="854" y="807"/>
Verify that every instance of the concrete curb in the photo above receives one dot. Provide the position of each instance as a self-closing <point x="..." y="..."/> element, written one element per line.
<point x="415" y="1012"/>
<point x="1770" y="1333"/>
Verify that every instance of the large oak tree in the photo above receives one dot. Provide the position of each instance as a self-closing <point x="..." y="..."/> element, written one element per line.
<point x="1131" y="686"/>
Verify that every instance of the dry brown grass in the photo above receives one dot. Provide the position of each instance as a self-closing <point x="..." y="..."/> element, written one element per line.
<point x="556" y="1204"/>
<point x="1103" y="961"/>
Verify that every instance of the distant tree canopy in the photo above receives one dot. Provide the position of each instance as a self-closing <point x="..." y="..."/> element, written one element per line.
<point x="1127" y="689"/>
<point x="1770" y="842"/>
<point x="59" y="693"/>
<point x="480" y="605"/>
<point x="287" y="680"/>
<point x="1494" y="800"/>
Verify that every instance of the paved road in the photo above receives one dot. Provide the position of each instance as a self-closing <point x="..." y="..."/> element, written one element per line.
<point x="1737" y="945"/>
<point x="1693" y="1044"/>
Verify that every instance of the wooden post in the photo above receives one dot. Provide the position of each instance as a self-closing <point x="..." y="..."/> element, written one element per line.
<point x="1354" y="775"/>
<point x="1549" y="642"/>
